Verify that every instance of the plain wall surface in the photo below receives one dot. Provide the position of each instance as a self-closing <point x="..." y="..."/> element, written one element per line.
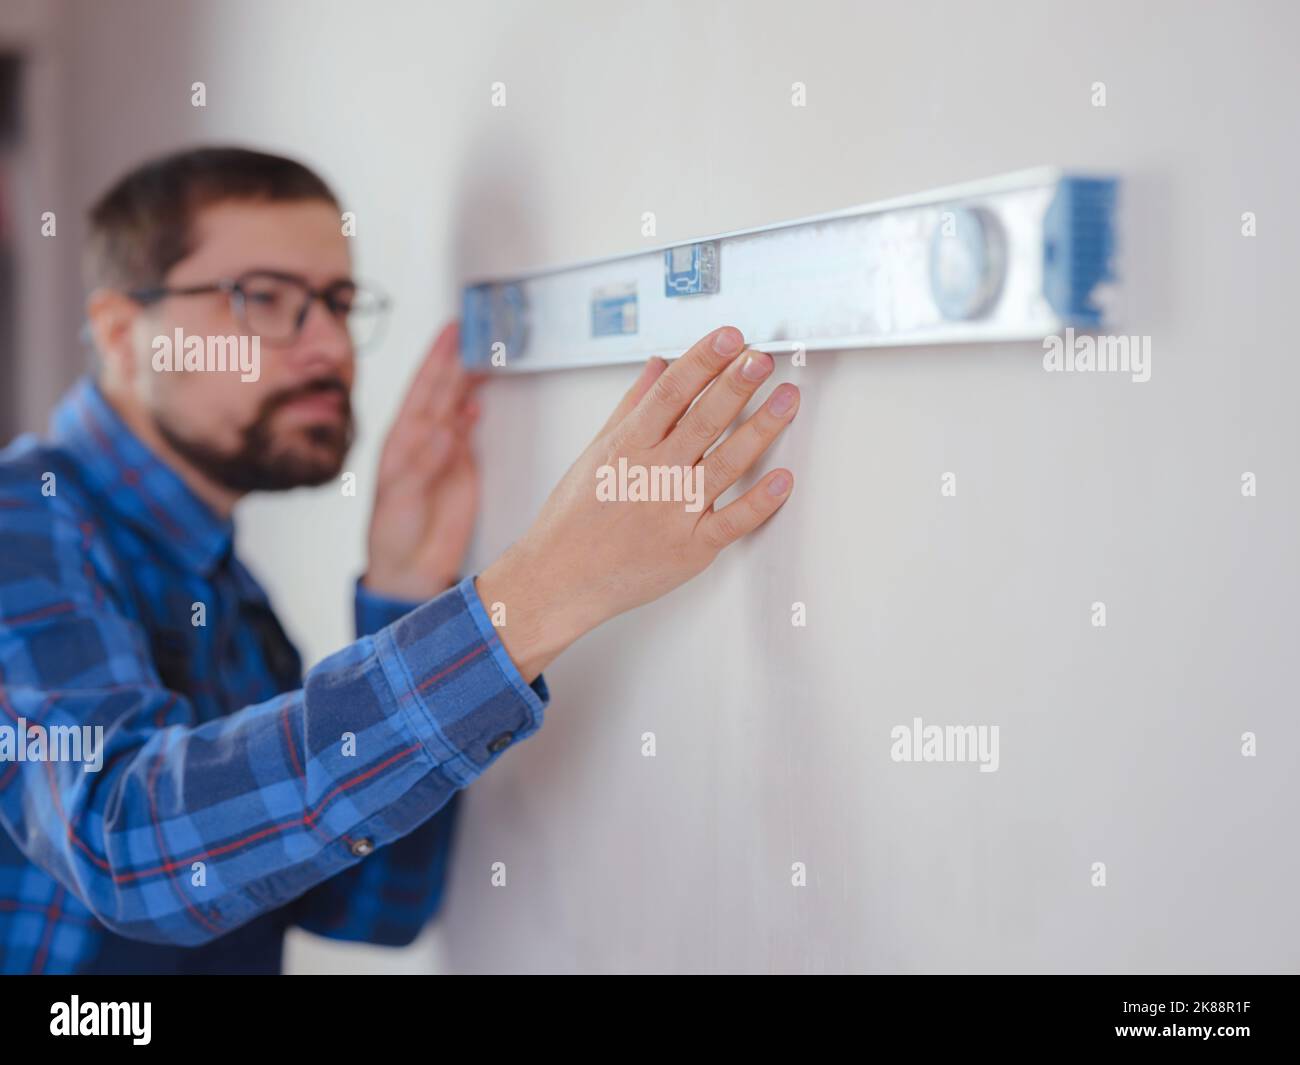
<point x="1118" y="745"/>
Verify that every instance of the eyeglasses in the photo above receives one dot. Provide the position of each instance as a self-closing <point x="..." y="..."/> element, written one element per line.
<point x="274" y="306"/>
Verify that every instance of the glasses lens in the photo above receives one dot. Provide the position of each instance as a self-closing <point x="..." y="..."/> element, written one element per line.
<point x="366" y="312"/>
<point x="272" y="306"/>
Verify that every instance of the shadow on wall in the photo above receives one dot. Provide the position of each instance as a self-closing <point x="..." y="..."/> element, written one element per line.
<point x="496" y="204"/>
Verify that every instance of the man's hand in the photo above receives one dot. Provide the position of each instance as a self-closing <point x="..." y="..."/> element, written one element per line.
<point x="585" y="561"/>
<point x="427" y="497"/>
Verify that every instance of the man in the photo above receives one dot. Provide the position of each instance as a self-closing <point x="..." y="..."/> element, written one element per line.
<point x="175" y="793"/>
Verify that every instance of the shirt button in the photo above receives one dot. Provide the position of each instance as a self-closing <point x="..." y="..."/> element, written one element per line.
<point x="362" y="847"/>
<point x="500" y="743"/>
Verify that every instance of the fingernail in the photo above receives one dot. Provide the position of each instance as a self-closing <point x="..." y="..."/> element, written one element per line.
<point x="756" y="366"/>
<point x="782" y="401"/>
<point x="728" y="341"/>
<point x="778" y="485"/>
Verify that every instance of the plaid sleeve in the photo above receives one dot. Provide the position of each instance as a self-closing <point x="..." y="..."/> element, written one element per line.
<point x="185" y="831"/>
<point x="388" y="897"/>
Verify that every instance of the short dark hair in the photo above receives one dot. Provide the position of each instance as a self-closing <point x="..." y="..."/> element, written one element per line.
<point x="143" y="226"/>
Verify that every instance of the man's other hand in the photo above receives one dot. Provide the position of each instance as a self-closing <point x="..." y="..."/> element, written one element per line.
<point x="428" y="490"/>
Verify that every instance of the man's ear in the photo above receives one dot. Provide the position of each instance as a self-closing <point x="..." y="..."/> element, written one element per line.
<point x="113" y="317"/>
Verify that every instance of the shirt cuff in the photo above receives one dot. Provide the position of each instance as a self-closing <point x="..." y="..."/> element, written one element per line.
<point x="372" y="611"/>
<point x="453" y="680"/>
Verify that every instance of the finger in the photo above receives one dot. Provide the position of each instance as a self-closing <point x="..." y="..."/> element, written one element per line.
<point x="649" y="373"/>
<point x="465" y="420"/>
<point x="436" y="454"/>
<point x="448" y="391"/>
<point x="436" y="364"/>
<point x="718" y="407"/>
<point x="469" y="398"/>
<point x="727" y="462"/>
<point x="721" y="528"/>
<point x="676" y="388"/>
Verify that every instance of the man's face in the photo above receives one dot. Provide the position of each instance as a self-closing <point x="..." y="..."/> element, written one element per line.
<point x="292" y="425"/>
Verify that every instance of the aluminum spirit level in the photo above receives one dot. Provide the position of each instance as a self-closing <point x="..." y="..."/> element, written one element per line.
<point x="1017" y="257"/>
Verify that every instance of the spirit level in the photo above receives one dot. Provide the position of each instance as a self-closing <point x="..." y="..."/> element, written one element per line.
<point x="1017" y="257"/>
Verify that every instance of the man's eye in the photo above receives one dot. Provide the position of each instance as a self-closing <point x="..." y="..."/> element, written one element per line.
<point x="264" y="298"/>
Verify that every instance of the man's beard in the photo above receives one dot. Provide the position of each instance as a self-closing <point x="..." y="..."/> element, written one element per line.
<point x="255" y="466"/>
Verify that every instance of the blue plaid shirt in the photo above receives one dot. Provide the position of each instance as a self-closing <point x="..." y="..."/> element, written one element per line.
<point x="236" y="797"/>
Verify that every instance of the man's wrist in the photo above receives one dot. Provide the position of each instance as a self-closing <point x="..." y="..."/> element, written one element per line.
<point x="535" y="619"/>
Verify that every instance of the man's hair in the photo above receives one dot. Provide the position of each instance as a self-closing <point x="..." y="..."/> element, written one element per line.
<point x="143" y="225"/>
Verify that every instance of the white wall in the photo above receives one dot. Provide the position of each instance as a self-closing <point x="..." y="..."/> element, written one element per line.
<point x="1118" y="745"/>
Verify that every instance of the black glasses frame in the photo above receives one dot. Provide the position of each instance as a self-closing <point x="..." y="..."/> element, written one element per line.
<point x="235" y="291"/>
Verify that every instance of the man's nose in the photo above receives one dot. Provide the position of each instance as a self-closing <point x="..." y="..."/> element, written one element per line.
<point x="324" y="336"/>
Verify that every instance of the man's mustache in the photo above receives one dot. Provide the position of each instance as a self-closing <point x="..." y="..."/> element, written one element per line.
<point x="322" y="385"/>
